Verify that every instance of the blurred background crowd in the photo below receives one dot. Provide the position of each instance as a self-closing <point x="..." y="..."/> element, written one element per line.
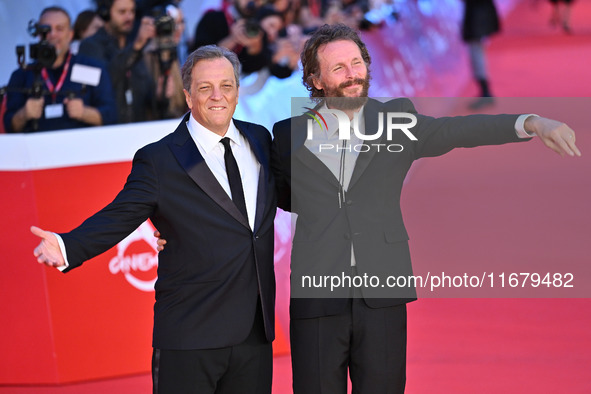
<point x="100" y="62"/>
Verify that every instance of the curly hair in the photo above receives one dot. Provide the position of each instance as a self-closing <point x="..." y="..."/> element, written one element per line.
<point x="322" y="36"/>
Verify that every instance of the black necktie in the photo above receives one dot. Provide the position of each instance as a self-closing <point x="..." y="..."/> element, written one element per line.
<point x="234" y="177"/>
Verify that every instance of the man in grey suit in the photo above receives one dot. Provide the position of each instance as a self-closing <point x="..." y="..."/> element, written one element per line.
<point x="345" y="187"/>
<point x="209" y="188"/>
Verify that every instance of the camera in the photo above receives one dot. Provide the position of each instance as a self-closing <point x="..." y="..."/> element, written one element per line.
<point x="252" y="26"/>
<point x="163" y="22"/>
<point x="164" y="45"/>
<point x="35" y="29"/>
<point x="43" y="52"/>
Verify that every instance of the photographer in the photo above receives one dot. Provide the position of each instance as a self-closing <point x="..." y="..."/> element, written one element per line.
<point x="86" y="24"/>
<point x="285" y="41"/>
<point x="236" y="28"/>
<point x="56" y="91"/>
<point x="161" y="57"/>
<point x="114" y="45"/>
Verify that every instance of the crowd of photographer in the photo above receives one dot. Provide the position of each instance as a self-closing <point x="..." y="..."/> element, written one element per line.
<point x="122" y="67"/>
<point x="86" y="24"/>
<point x="59" y="90"/>
<point x="270" y="34"/>
<point x="120" y="63"/>
<point x="121" y="51"/>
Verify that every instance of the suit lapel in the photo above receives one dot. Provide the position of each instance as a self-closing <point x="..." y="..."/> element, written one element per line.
<point x="304" y="155"/>
<point x="371" y="126"/>
<point x="184" y="149"/>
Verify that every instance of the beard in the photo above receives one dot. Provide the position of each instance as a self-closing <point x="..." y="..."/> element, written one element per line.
<point x="335" y="97"/>
<point x="122" y="29"/>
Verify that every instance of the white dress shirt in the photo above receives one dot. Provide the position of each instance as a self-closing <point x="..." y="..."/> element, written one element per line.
<point x="212" y="150"/>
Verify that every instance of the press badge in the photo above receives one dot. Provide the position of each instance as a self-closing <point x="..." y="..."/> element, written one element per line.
<point x="54" y="111"/>
<point x="86" y="75"/>
<point x="128" y="97"/>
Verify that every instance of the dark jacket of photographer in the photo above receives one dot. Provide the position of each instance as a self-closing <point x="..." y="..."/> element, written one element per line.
<point x="132" y="83"/>
<point x="20" y="89"/>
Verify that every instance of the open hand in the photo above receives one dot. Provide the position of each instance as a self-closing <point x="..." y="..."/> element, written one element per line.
<point x="554" y="134"/>
<point x="48" y="251"/>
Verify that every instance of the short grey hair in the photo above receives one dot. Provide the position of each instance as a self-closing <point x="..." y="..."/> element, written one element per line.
<point x="208" y="52"/>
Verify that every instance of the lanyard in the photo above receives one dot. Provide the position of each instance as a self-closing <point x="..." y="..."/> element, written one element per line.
<point x="54" y="89"/>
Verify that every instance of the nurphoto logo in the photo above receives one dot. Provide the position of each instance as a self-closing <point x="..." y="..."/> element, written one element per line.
<point x="344" y="125"/>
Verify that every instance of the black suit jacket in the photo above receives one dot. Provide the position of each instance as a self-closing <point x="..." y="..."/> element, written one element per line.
<point x="370" y="218"/>
<point x="213" y="265"/>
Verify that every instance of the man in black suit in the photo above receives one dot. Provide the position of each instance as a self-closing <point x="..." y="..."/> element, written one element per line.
<point x="215" y="293"/>
<point x="346" y="193"/>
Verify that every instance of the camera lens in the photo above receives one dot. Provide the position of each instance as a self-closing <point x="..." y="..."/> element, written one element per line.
<point x="252" y="28"/>
<point x="164" y="26"/>
<point x="44" y="53"/>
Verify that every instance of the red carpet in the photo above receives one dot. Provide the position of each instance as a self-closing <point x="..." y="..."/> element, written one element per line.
<point x="505" y="195"/>
<point x="509" y="345"/>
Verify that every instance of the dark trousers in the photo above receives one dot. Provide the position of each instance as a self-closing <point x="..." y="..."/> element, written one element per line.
<point x="246" y="368"/>
<point x="369" y="343"/>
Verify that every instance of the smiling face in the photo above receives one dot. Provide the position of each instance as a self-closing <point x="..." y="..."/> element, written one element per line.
<point x="343" y="73"/>
<point x="61" y="33"/>
<point x="214" y="94"/>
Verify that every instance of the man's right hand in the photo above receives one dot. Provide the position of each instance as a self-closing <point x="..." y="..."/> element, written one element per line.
<point x="253" y="44"/>
<point x="554" y="134"/>
<point x="48" y="251"/>
<point x="34" y="108"/>
<point x="146" y="32"/>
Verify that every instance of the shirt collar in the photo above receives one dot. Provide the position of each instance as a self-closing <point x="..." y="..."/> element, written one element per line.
<point x="208" y="139"/>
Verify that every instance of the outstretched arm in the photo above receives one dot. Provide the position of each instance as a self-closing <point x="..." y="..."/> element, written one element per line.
<point x="554" y="134"/>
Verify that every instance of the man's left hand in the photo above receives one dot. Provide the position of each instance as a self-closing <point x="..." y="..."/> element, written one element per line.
<point x="554" y="134"/>
<point x="161" y="241"/>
